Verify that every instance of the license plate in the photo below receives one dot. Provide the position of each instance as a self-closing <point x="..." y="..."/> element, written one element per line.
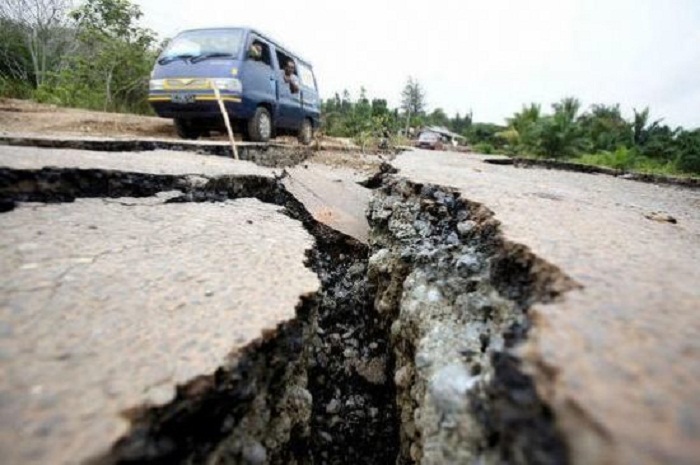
<point x="183" y="98"/>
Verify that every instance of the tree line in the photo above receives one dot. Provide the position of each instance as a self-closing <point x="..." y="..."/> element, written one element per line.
<point x="93" y="56"/>
<point x="344" y="116"/>
<point x="599" y="135"/>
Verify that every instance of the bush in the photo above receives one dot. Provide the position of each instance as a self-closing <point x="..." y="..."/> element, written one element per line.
<point x="621" y="159"/>
<point x="11" y="88"/>
<point x="485" y="133"/>
<point x="365" y="140"/>
<point x="651" y="165"/>
<point x="628" y="160"/>
<point x="688" y="144"/>
<point x="484" y="148"/>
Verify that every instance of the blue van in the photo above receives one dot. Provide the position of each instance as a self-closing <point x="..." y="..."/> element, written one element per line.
<point x="266" y="89"/>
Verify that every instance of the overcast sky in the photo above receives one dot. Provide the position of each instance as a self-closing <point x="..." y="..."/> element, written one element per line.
<point x="490" y="56"/>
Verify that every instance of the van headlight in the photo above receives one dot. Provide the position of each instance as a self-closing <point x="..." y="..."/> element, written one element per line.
<point x="156" y="84"/>
<point x="229" y="84"/>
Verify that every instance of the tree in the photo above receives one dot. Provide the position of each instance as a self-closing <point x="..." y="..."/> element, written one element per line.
<point x="438" y="117"/>
<point x="117" y="54"/>
<point x="460" y="124"/>
<point x="15" y="61"/>
<point x="688" y="149"/>
<point x="42" y="26"/>
<point x="523" y="127"/>
<point x="363" y="109"/>
<point x="346" y="104"/>
<point x="560" y="135"/>
<point x="652" y="139"/>
<point x="606" y="128"/>
<point x="380" y="107"/>
<point x="484" y="133"/>
<point x="412" y="100"/>
<point x="660" y="143"/>
<point x="641" y="128"/>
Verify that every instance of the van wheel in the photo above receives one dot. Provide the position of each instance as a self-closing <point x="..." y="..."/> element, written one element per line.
<point x="187" y="129"/>
<point x="306" y="132"/>
<point x="260" y="125"/>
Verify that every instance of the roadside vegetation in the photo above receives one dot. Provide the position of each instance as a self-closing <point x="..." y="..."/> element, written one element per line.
<point x="598" y="136"/>
<point x="90" y="55"/>
<point x="94" y="54"/>
<point x="601" y="136"/>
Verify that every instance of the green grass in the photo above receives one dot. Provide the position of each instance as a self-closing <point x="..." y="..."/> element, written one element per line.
<point x="628" y="160"/>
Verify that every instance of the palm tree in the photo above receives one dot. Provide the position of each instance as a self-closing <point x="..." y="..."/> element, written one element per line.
<point x="560" y="135"/>
<point x="641" y="129"/>
<point x="606" y="128"/>
<point x="522" y="127"/>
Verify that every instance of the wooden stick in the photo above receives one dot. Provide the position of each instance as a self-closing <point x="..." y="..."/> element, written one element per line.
<point x="222" y="107"/>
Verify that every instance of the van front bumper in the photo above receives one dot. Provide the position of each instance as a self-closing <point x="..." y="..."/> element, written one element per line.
<point x="202" y="106"/>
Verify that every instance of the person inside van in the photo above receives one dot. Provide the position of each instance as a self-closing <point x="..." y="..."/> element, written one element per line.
<point x="291" y="78"/>
<point x="256" y="51"/>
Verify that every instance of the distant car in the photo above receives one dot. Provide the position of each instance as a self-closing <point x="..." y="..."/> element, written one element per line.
<point x="430" y="140"/>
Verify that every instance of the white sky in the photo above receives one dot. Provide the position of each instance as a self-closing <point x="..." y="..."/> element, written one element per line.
<point x="490" y="56"/>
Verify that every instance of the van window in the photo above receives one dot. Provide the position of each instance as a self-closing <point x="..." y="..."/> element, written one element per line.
<point x="266" y="55"/>
<point x="283" y="58"/>
<point x="306" y="76"/>
<point x="205" y="42"/>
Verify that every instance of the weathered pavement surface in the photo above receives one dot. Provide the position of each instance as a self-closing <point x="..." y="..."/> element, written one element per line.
<point x="619" y="360"/>
<point x="176" y="289"/>
<point x="332" y="196"/>
<point x="156" y="162"/>
<point x="173" y="289"/>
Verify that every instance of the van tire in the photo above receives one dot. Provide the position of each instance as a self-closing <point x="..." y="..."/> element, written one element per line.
<point x="187" y="129"/>
<point x="260" y="125"/>
<point x="306" y="132"/>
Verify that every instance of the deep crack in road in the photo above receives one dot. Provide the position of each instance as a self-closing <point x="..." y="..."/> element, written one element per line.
<point x="424" y="345"/>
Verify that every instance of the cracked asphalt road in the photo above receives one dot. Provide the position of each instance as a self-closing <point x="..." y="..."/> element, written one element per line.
<point x="331" y="195"/>
<point x="152" y="162"/>
<point x="173" y="289"/>
<point x="620" y="359"/>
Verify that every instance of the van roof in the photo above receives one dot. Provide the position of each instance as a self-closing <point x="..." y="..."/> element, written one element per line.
<point x="276" y="43"/>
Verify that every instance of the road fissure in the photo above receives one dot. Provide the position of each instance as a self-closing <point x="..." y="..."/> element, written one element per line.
<point x="404" y="355"/>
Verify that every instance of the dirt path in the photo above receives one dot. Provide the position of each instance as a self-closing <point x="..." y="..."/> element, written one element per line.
<point x="24" y="116"/>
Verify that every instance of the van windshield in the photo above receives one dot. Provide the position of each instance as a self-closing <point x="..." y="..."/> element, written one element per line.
<point x="197" y="45"/>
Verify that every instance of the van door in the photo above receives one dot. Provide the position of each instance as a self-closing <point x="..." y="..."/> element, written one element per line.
<point x="310" y="102"/>
<point x="290" y="114"/>
<point x="258" y="76"/>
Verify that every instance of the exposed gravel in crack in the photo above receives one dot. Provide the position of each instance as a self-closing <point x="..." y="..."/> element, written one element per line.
<point x="457" y="294"/>
<point x="350" y="365"/>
